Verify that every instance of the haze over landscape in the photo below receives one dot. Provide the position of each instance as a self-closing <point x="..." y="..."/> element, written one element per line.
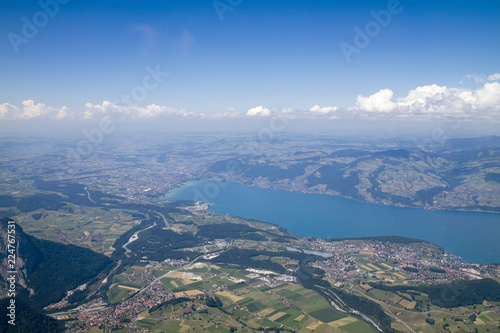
<point x="339" y="63"/>
<point x="249" y="165"/>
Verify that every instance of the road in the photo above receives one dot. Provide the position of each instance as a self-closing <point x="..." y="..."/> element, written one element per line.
<point x="341" y="304"/>
<point x="389" y="312"/>
<point x="172" y="272"/>
<point x="165" y="275"/>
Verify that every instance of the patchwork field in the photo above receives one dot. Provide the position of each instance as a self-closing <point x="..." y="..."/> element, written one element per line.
<point x="473" y="318"/>
<point x="92" y="227"/>
<point x="289" y="305"/>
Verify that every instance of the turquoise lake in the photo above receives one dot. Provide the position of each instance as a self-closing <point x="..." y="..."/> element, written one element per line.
<point x="474" y="236"/>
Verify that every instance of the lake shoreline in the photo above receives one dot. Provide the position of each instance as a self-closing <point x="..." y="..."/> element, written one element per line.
<point x="339" y="196"/>
<point x="466" y="234"/>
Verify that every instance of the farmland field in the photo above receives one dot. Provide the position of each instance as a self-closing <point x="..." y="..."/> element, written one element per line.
<point x="284" y="304"/>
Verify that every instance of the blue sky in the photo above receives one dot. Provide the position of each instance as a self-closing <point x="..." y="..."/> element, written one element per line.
<point x="264" y="57"/>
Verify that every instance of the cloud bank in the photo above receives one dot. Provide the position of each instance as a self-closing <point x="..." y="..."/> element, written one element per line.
<point x="429" y="102"/>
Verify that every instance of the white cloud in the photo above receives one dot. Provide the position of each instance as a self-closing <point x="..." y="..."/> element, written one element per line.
<point x="433" y="101"/>
<point x="481" y="78"/>
<point x="488" y="97"/>
<point x="95" y="110"/>
<point x="88" y="115"/>
<point x="184" y="113"/>
<point x="127" y="112"/>
<point x="429" y="102"/>
<point x="259" y="111"/>
<point x="494" y="77"/>
<point x="444" y="100"/>
<point x="381" y="101"/>
<point x="227" y="114"/>
<point x="63" y="113"/>
<point x="477" y="78"/>
<point x="31" y="110"/>
<point x="7" y="109"/>
<point x="323" y="110"/>
<point x="154" y="110"/>
<point x="427" y="99"/>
